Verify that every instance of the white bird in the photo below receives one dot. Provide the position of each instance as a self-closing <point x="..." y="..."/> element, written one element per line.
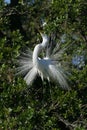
<point x="48" y="67"/>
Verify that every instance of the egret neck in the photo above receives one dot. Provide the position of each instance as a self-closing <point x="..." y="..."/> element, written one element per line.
<point x="36" y="53"/>
<point x="38" y="48"/>
<point x="45" y="40"/>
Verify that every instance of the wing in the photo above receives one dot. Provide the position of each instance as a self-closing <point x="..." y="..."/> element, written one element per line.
<point x="24" y="62"/>
<point x="59" y="76"/>
<point x="57" y="70"/>
<point x="54" y="73"/>
<point x="26" y="67"/>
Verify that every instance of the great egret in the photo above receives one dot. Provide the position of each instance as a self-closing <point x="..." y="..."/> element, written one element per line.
<point x="48" y="67"/>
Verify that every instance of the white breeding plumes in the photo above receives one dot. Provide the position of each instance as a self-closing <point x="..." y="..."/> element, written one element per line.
<point x="48" y="67"/>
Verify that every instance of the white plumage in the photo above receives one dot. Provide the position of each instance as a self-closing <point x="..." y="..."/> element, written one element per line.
<point x="31" y="65"/>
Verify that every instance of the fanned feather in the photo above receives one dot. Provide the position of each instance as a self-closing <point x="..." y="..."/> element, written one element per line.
<point x="31" y="75"/>
<point x="25" y="62"/>
<point x="59" y="76"/>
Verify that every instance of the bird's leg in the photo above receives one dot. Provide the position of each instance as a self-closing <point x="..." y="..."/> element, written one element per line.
<point x="43" y="93"/>
<point x="47" y="92"/>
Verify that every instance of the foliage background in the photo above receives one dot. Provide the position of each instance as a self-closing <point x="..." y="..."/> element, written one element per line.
<point x="43" y="106"/>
